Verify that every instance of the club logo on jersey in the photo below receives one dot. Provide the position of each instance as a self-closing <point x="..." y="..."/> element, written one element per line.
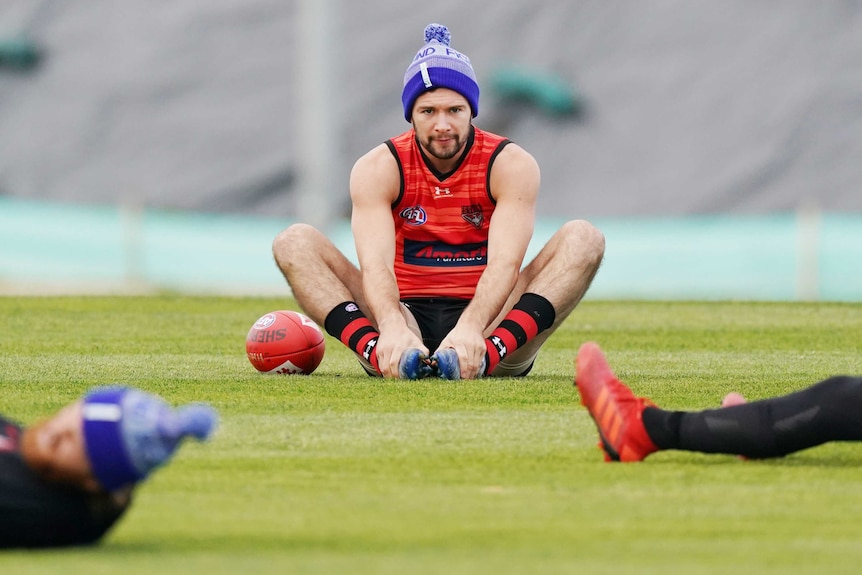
<point x="414" y="215"/>
<point x="439" y="254"/>
<point x="473" y="215"/>
<point x="442" y="192"/>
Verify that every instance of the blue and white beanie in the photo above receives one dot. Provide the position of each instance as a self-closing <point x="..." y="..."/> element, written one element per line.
<point x="128" y="433"/>
<point x="436" y="65"/>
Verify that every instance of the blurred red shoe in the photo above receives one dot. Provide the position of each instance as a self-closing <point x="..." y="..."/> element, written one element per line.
<point x="613" y="407"/>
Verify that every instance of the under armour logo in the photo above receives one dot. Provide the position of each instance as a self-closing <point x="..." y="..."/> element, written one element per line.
<point x="501" y="347"/>
<point x="369" y="347"/>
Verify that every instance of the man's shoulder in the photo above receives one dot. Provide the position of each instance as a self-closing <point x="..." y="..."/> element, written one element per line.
<point x="377" y="158"/>
<point x="375" y="175"/>
<point x="508" y="151"/>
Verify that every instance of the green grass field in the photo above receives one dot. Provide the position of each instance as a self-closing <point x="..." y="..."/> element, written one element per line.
<point x="341" y="473"/>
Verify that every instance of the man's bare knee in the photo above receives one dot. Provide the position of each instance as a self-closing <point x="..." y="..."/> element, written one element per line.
<point x="583" y="237"/>
<point x="295" y="239"/>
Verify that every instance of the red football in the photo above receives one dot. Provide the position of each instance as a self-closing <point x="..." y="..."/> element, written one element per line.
<point x="285" y="342"/>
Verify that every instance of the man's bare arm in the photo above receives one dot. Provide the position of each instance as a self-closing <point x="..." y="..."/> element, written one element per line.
<point x="374" y="185"/>
<point x="515" y="180"/>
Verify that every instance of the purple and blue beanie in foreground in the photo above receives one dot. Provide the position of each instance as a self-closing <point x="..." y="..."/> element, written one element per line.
<point x="128" y="433"/>
<point x="436" y="65"/>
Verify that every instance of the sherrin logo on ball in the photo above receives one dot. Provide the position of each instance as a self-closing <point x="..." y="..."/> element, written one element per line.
<point x="285" y="342"/>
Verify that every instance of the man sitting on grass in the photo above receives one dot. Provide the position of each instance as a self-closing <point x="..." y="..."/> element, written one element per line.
<point x="631" y="428"/>
<point x="69" y="478"/>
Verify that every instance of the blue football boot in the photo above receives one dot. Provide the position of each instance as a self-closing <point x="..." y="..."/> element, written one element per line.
<point x="414" y="365"/>
<point x="448" y="365"/>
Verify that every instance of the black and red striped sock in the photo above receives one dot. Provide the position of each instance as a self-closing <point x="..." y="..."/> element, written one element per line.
<point x="531" y="316"/>
<point x="353" y="328"/>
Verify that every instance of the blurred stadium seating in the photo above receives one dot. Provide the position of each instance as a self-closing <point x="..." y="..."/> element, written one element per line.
<point x="161" y="146"/>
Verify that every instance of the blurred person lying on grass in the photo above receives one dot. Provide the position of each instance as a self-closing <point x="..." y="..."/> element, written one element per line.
<point x="631" y="427"/>
<point x="67" y="479"/>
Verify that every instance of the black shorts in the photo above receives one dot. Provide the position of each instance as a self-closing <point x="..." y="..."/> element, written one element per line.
<point x="436" y="317"/>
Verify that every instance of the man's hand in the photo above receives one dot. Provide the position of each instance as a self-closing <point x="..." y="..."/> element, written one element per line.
<point x="470" y="347"/>
<point x="391" y="344"/>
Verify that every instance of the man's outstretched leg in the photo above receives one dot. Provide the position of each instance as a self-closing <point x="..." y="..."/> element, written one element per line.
<point x="631" y="428"/>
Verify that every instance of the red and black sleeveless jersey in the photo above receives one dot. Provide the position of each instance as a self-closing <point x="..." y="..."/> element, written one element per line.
<point x="441" y="220"/>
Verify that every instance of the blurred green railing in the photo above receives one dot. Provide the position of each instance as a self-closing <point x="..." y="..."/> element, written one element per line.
<point x="53" y="247"/>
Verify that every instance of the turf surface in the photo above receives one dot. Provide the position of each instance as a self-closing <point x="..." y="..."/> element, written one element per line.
<point x="341" y="473"/>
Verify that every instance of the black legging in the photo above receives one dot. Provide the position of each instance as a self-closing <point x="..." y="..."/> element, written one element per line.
<point x="830" y="410"/>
